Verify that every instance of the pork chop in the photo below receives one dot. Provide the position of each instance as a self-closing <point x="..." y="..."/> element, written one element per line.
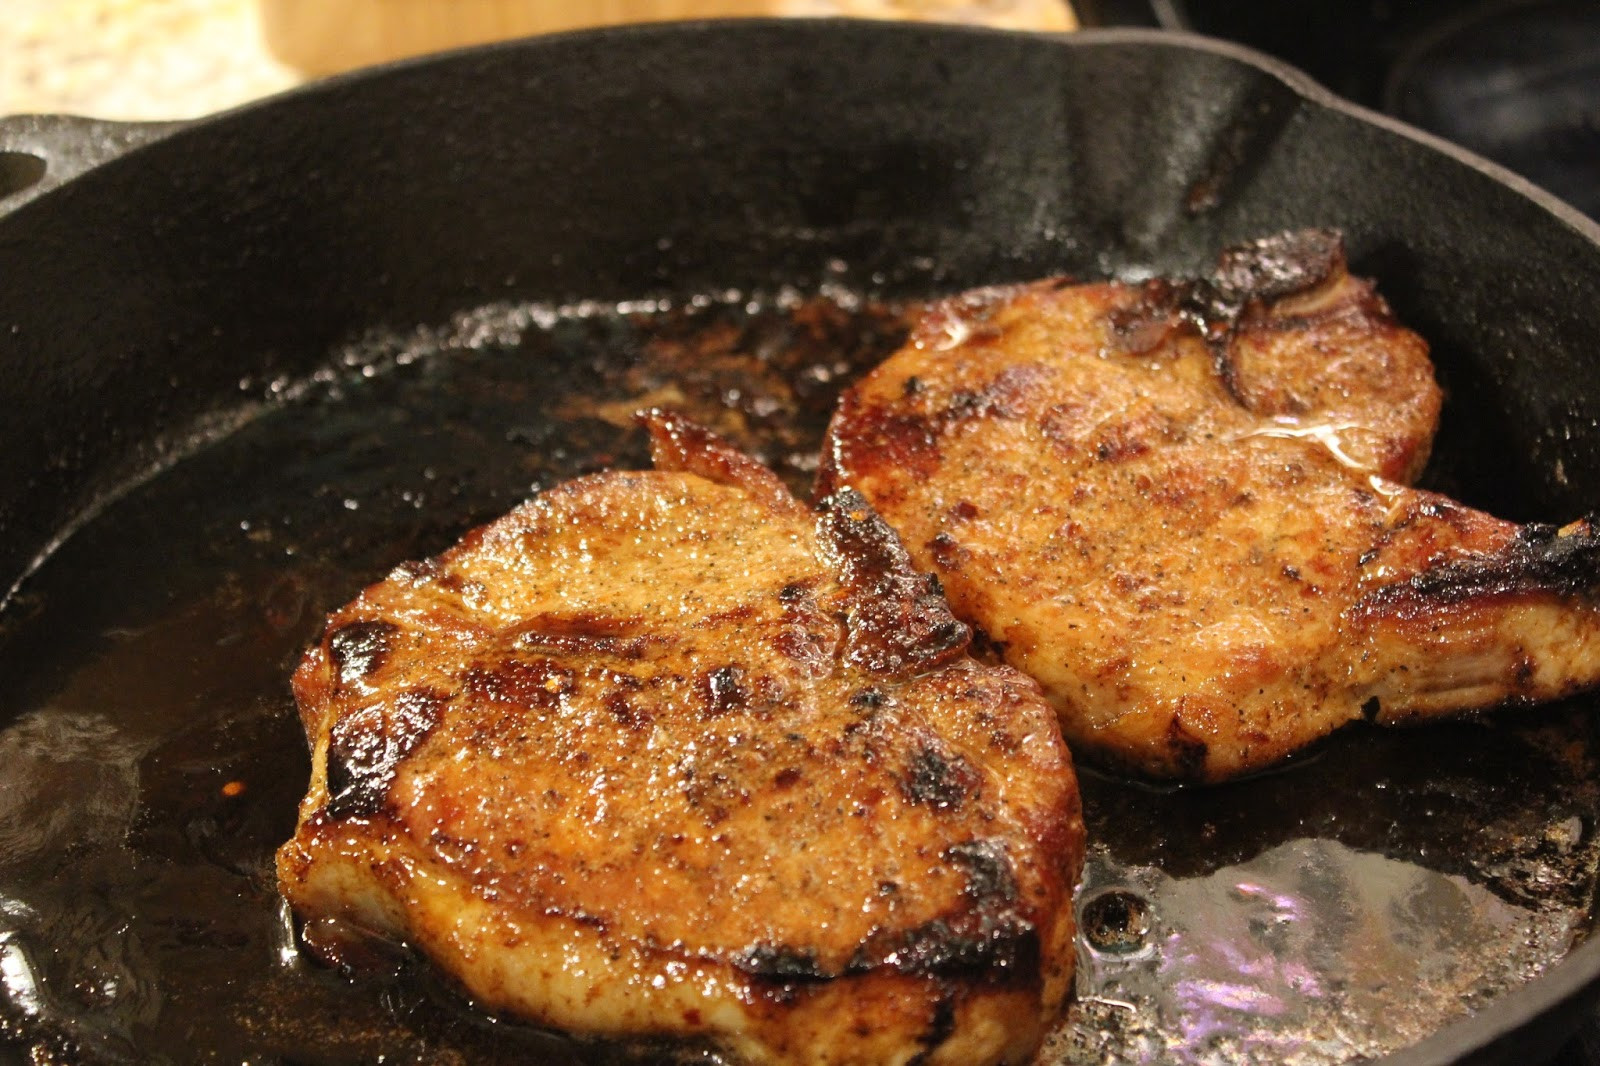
<point x="666" y="754"/>
<point x="1183" y="507"/>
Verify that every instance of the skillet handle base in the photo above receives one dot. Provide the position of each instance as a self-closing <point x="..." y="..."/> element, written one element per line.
<point x="40" y="152"/>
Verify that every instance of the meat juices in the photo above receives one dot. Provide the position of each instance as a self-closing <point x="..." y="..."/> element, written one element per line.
<point x="1183" y="508"/>
<point x="666" y="754"/>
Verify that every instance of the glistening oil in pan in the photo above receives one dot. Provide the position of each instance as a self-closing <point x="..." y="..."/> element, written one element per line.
<point x="152" y="758"/>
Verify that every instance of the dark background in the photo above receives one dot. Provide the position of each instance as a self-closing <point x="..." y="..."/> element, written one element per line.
<point x="1517" y="81"/>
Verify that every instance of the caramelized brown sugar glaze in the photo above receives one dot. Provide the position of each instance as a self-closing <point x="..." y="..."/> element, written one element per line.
<point x="665" y="753"/>
<point x="1185" y="509"/>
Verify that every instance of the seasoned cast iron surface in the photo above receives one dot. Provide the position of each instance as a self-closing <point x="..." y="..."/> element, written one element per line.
<point x="151" y="758"/>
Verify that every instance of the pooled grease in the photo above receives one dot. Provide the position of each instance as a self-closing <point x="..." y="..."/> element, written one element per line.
<point x="152" y="758"/>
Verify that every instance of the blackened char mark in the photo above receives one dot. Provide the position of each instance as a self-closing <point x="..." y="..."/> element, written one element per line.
<point x="1269" y="269"/>
<point x="1259" y="271"/>
<point x="1187" y="752"/>
<point x="941" y="1026"/>
<point x="681" y="445"/>
<point x="779" y="972"/>
<point x="1540" y="560"/>
<point x="1008" y="395"/>
<point x="985" y="945"/>
<point x="939" y="778"/>
<point x="991" y="879"/>
<point x="782" y="964"/>
<point x="366" y="747"/>
<point x="358" y="649"/>
<point x="1274" y="267"/>
<point x="992" y="941"/>
<point x="1144" y="325"/>
<point x="623" y="710"/>
<point x="896" y="621"/>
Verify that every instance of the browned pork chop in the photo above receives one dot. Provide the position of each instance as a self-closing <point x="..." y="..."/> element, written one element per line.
<point x="666" y="754"/>
<point x="1182" y="508"/>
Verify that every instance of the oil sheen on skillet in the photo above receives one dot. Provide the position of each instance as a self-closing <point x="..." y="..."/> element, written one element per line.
<point x="152" y="756"/>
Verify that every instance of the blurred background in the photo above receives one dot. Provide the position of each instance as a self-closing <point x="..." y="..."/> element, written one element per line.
<point x="134" y="59"/>
<point x="1516" y="80"/>
<point x="162" y="59"/>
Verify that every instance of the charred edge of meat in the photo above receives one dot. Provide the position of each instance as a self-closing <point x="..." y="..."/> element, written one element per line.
<point x="366" y="747"/>
<point x="1271" y="268"/>
<point x="1274" y="267"/>
<point x="1539" y="559"/>
<point x="896" y="620"/>
<point x="359" y="648"/>
<point x="986" y="649"/>
<point x="1264" y="270"/>
<point x="784" y="965"/>
<point x="992" y="941"/>
<point x="1144" y="325"/>
<point x="988" y="945"/>
<point x="1188" y="752"/>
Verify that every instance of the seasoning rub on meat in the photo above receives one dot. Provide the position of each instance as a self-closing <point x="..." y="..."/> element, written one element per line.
<point x="667" y="754"/>
<point x="1183" y="507"/>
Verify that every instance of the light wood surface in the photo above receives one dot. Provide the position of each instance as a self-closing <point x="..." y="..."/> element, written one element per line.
<point x="324" y="36"/>
<point x="134" y="59"/>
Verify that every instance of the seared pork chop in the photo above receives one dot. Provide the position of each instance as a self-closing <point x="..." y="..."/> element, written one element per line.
<point x="1183" y="509"/>
<point x="667" y="754"/>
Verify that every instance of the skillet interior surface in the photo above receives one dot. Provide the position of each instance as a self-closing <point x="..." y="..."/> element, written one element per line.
<point x="218" y="392"/>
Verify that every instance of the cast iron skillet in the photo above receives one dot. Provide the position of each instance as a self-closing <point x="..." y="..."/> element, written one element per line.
<point x="192" y="468"/>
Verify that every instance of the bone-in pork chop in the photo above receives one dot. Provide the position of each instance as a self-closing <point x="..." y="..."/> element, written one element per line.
<point x="1183" y="509"/>
<point x="667" y="754"/>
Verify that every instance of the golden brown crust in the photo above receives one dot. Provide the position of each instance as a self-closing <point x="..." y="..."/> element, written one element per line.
<point x="679" y="445"/>
<point x="1181" y="507"/>
<point x="667" y="755"/>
